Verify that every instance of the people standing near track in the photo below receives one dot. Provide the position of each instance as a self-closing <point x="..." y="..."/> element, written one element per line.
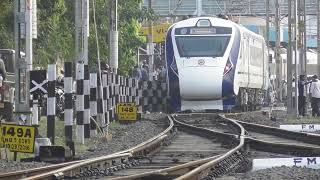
<point x="315" y="95"/>
<point x="302" y="95"/>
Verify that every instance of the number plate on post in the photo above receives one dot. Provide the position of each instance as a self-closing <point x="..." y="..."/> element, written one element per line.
<point x="127" y="111"/>
<point x="17" y="138"/>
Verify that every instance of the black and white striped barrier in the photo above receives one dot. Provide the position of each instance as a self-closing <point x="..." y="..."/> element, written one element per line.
<point x="51" y="102"/>
<point x="106" y="99"/>
<point x="152" y="96"/>
<point x="93" y="104"/>
<point x="100" y="103"/>
<point x="86" y="92"/>
<point x="80" y="103"/>
<point x="68" y="105"/>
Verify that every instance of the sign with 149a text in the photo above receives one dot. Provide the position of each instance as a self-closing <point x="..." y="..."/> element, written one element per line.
<point x="127" y="111"/>
<point x="17" y="138"/>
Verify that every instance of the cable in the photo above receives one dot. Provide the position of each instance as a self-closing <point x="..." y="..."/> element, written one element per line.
<point x="98" y="56"/>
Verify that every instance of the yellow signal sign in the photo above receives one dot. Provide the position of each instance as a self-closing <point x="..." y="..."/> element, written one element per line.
<point x="127" y="111"/>
<point x="17" y="138"/>
<point x="158" y="32"/>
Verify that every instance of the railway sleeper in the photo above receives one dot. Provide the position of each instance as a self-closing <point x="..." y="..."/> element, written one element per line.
<point x="231" y="164"/>
<point x="107" y="171"/>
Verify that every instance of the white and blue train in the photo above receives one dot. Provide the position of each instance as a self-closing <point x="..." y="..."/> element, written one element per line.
<point x="214" y="64"/>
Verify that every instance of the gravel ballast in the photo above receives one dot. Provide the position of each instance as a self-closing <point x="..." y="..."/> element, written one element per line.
<point x="124" y="136"/>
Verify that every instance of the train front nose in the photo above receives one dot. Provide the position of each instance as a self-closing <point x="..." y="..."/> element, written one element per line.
<point x="201" y="83"/>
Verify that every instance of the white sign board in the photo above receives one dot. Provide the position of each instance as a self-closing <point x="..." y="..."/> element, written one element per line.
<point x="301" y="127"/>
<point x="309" y="162"/>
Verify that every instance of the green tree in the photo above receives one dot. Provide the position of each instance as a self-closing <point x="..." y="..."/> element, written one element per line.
<point x="6" y="24"/>
<point x="56" y="31"/>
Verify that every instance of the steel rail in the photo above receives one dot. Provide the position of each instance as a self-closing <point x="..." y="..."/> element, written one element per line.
<point x="187" y="167"/>
<point x="141" y="149"/>
<point x="204" y="170"/>
<point x="170" y="171"/>
<point x="282" y="148"/>
<point x="298" y="136"/>
<point x="76" y="168"/>
<point x="29" y="172"/>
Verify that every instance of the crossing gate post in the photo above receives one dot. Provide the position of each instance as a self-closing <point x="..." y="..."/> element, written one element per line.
<point x="105" y="97"/>
<point x="68" y="105"/>
<point x="100" y="105"/>
<point x="51" y="102"/>
<point x="86" y="91"/>
<point x="80" y="103"/>
<point x="93" y="104"/>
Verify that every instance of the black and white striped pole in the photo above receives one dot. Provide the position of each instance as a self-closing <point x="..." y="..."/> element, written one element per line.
<point x="86" y="92"/>
<point x="51" y="102"/>
<point x="100" y="104"/>
<point x="80" y="103"/>
<point x="68" y="105"/>
<point x="93" y="104"/>
<point x="105" y="97"/>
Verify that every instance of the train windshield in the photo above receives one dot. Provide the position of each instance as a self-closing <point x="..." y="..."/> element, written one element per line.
<point x="202" y="46"/>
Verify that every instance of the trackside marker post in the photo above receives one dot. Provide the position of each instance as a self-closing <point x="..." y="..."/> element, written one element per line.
<point x="301" y="127"/>
<point x="51" y="102"/>
<point x="126" y="111"/>
<point x="309" y="162"/>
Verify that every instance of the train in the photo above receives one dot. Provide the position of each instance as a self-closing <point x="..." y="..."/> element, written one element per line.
<point x="215" y="64"/>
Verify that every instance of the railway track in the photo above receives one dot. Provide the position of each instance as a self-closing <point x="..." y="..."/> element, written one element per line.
<point x="260" y="141"/>
<point x="168" y="155"/>
<point x="194" y="146"/>
<point x="180" y="156"/>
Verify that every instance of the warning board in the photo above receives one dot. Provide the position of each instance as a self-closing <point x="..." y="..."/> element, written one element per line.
<point x="17" y="138"/>
<point x="127" y="111"/>
<point x="38" y="82"/>
<point x="158" y="32"/>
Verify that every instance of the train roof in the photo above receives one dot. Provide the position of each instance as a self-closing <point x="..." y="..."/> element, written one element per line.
<point x="215" y="21"/>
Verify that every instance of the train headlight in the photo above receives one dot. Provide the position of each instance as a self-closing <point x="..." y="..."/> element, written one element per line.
<point x="183" y="31"/>
<point x="228" y="67"/>
<point x="203" y="23"/>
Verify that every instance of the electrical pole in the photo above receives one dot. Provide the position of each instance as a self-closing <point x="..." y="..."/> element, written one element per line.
<point x="301" y="39"/>
<point x="296" y="60"/>
<point x="150" y="46"/>
<point x="318" y="36"/>
<point x="113" y="58"/>
<point x="304" y="40"/>
<point x="23" y="28"/>
<point x="78" y="28"/>
<point x="199" y="8"/>
<point x="82" y="68"/>
<point x="277" y="52"/>
<point x="289" y="61"/>
<point x="267" y="25"/>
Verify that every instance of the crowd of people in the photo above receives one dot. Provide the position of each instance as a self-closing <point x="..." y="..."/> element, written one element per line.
<point x="141" y="72"/>
<point x="309" y="88"/>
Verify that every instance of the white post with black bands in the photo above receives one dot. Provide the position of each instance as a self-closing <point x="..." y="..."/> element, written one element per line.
<point x="80" y="103"/>
<point x="86" y="92"/>
<point x="51" y="102"/>
<point x="35" y="111"/>
<point x="68" y="105"/>
<point x="105" y="98"/>
<point x="100" y="104"/>
<point x="93" y="104"/>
